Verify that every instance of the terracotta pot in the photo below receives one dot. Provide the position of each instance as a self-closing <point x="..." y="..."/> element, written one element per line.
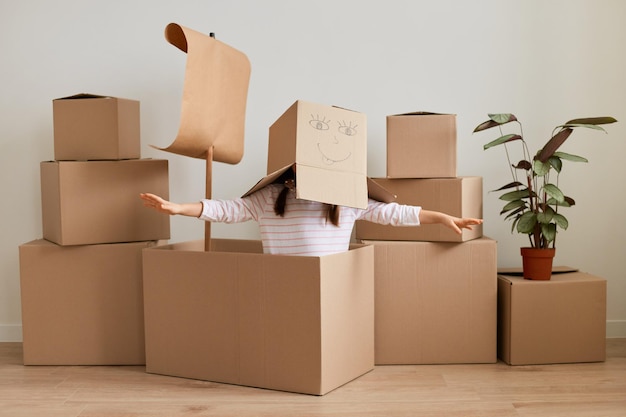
<point x="537" y="263"/>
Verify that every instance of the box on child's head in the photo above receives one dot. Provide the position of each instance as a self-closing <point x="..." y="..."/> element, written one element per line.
<point x="328" y="147"/>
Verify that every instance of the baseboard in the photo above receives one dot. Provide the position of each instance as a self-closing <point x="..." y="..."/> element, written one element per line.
<point x="615" y="329"/>
<point x="10" y="332"/>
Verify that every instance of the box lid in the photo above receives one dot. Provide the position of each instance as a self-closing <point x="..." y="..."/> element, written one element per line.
<point x="82" y="96"/>
<point x="374" y="190"/>
<point x="423" y="113"/>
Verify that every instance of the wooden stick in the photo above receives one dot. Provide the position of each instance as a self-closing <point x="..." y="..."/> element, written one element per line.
<point x="209" y="191"/>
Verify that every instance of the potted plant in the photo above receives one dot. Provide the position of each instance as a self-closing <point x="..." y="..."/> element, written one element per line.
<point x="533" y="200"/>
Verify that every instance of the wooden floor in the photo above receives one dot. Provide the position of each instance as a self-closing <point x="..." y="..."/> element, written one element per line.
<point x="499" y="390"/>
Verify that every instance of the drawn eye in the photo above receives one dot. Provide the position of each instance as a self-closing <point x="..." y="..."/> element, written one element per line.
<point x="347" y="129"/>
<point x="319" y="124"/>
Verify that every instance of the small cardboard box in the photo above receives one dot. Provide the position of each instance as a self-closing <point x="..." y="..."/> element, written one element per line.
<point x="235" y="315"/>
<point x="92" y="202"/>
<point x="562" y="320"/>
<point x="435" y="303"/>
<point x="82" y="305"/>
<point x="460" y="197"/>
<point x="91" y="127"/>
<point x="328" y="146"/>
<point x="421" y="145"/>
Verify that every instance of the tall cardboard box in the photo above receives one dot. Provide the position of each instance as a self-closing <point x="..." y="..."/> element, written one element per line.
<point x="82" y="305"/>
<point x="562" y="320"/>
<point x="91" y="202"/>
<point x="92" y="127"/>
<point x="435" y="302"/>
<point x="460" y="197"/>
<point x="421" y="145"/>
<point x="235" y="315"/>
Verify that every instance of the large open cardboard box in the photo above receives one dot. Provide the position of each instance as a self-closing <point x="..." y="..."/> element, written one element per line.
<point x="235" y="315"/>
<point x="91" y="202"/>
<point x="421" y="145"/>
<point x="82" y="305"/>
<point x="460" y="197"/>
<point x="92" y="127"/>
<point x="562" y="320"/>
<point x="435" y="302"/>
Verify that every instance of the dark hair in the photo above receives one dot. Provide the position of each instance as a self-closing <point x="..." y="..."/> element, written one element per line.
<point x="279" y="205"/>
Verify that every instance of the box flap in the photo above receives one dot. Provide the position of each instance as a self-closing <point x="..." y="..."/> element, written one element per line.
<point x="422" y="113"/>
<point x="214" y="97"/>
<point x="81" y="96"/>
<point x="374" y="190"/>
<point x="377" y="192"/>
<point x="340" y="188"/>
<point x="267" y="180"/>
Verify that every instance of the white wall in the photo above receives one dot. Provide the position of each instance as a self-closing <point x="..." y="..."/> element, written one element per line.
<point x="545" y="61"/>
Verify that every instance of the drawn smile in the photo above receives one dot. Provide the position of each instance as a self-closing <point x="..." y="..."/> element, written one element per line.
<point x="333" y="155"/>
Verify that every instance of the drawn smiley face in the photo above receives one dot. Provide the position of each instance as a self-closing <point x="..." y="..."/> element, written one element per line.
<point x="332" y="144"/>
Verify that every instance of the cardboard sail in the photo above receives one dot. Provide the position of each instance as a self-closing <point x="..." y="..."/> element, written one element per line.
<point x="214" y="97"/>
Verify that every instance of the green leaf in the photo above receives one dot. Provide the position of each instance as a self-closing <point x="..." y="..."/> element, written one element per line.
<point x="515" y="195"/>
<point x="545" y="216"/>
<point x="514" y="224"/>
<point x="554" y="192"/>
<point x="510" y="185"/>
<point x="527" y="222"/>
<point x="515" y="212"/>
<point x="502" y="118"/>
<point x="513" y="205"/>
<point x="501" y="140"/>
<point x="570" y="157"/>
<point x="549" y="231"/>
<point x="588" y="126"/>
<point x="593" y="121"/>
<point x="554" y="202"/>
<point x="556" y="163"/>
<point x="540" y="168"/>
<point x="497" y="120"/>
<point x="561" y="221"/>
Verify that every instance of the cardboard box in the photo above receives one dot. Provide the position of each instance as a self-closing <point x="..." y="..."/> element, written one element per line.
<point x="421" y="145"/>
<point x="562" y="320"/>
<point x="460" y="197"/>
<point x="328" y="146"/>
<point x="91" y="127"/>
<point x="237" y="316"/>
<point x="92" y="202"/>
<point x="435" y="303"/>
<point x="82" y="305"/>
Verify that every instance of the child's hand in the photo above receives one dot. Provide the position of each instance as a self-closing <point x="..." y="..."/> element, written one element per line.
<point x="457" y="224"/>
<point x="157" y="203"/>
<point x="464" y="223"/>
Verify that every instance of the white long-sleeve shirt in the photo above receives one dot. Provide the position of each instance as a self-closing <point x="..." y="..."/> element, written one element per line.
<point x="304" y="230"/>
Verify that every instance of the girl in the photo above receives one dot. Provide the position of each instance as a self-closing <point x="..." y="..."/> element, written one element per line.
<point x="291" y="226"/>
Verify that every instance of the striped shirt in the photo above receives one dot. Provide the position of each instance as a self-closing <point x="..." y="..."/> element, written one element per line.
<point x="304" y="230"/>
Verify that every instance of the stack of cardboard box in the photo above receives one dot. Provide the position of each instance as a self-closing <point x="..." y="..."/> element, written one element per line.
<point x="435" y="290"/>
<point x="81" y="285"/>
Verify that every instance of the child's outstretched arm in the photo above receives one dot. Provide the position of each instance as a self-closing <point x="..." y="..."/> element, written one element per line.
<point x="163" y="206"/>
<point x="454" y="223"/>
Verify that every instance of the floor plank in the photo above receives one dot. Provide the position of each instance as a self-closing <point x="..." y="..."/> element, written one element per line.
<point x="498" y="390"/>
